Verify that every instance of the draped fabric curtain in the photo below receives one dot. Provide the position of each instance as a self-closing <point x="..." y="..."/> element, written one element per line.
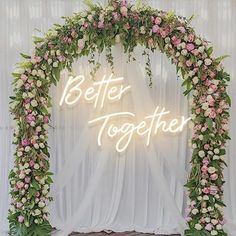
<point x="95" y="188"/>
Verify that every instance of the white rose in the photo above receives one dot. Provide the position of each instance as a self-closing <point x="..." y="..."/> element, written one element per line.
<point x="37" y="212"/>
<point x="42" y="145"/>
<point x="38" y="129"/>
<point x="203" y="182"/>
<point x="207" y="61"/>
<point x="36" y="146"/>
<point x="207" y="219"/>
<point x="216" y="151"/>
<point x="214" y="232"/>
<point x="41" y="204"/>
<point x="204" y="210"/>
<point x="27" y="148"/>
<point x="142" y="30"/>
<point x="90" y="18"/>
<point x="195" y="80"/>
<point x="23" y="200"/>
<point x="26" y="165"/>
<point x="81" y="21"/>
<point x="55" y="64"/>
<point x="49" y="61"/>
<point x="200" y="137"/>
<point x="34" y="103"/>
<point x="36" y="166"/>
<point x="198" y="41"/>
<point x="34" y="72"/>
<point x="117" y="38"/>
<point x="219" y="227"/>
<point x="210" y="91"/>
<point x="199" y="198"/>
<point x="195" y="92"/>
<point x="39" y="83"/>
<point x="205" y="197"/>
<point x="198" y="227"/>
<point x="205" y="106"/>
<point x="201" y="49"/>
<point x="21" y="176"/>
<point x="195" y="211"/>
<point x="211" y="170"/>
<point x="81" y="43"/>
<point x="184" y="52"/>
<point x="201" y="153"/>
<point x="19" y="154"/>
<point x="19" y="83"/>
<point x="46" y="126"/>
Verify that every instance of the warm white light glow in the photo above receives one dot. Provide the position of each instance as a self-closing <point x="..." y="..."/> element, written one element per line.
<point x="108" y="88"/>
<point x="125" y="132"/>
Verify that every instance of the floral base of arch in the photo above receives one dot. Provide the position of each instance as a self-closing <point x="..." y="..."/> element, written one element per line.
<point x="96" y="30"/>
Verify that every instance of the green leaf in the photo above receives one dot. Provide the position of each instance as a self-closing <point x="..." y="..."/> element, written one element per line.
<point x="25" y="56"/>
<point x="37" y="39"/>
<point x="209" y="123"/>
<point x="209" y="51"/>
<point x="219" y="59"/>
<point x="43" y="229"/>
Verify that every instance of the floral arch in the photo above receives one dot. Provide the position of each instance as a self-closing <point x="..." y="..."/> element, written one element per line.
<point x="95" y="30"/>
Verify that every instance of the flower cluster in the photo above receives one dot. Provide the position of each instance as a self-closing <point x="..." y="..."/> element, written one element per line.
<point x="86" y="34"/>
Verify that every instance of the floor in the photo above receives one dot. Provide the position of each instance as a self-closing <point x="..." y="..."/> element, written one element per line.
<point x="119" y="234"/>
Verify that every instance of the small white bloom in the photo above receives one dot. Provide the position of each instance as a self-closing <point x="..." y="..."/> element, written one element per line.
<point x="198" y="41"/>
<point x="201" y="49"/>
<point x="198" y="227"/>
<point x="27" y="148"/>
<point x="19" y="154"/>
<point x="26" y="165"/>
<point x="200" y="137"/>
<point x="37" y="212"/>
<point x="41" y="204"/>
<point x="214" y="232"/>
<point x="184" y="52"/>
<point x="34" y="72"/>
<point x="49" y="61"/>
<point x="203" y="183"/>
<point x="23" y="200"/>
<point x="216" y="151"/>
<point x="201" y="153"/>
<point x="195" y="92"/>
<point x="90" y="18"/>
<point x="42" y="145"/>
<point x="219" y="227"/>
<point x="204" y="210"/>
<point x="34" y="103"/>
<point x="36" y="166"/>
<point x="205" y="106"/>
<point x="211" y="169"/>
<point x="36" y="146"/>
<point x="39" y="83"/>
<point x="55" y="64"/>
<point x="199" y="198"/>
<point x="195" y="211"/>
<point x="195" y="80"/>
<point x="142" y="30"/>
<point x="207" y="61"/>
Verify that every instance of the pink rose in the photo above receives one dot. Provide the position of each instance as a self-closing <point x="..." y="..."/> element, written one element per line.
<point x="124" y="3"/>
<point x="195" y="52"/>
<point x="46" y="119"/>
<point x="116" y="16"/>
<point x="212" y="113"/>
<point x="25" y="142"/>
<point x="27" y="86"/>
<point x="31" y="163"/>
<point x="175" y="41"/>
<point x="100" y="25"/>
<point x="204" y="169"/>
<point x="30" y="118"/>
<point x="23" y="77"/>
<point x="19" y="205"/>
<point x="163" y="33"/>
<point x="181" y="29"/>
<point x="214" y="177"/>
<point x="155" y="29"/>
<point x="190" y="46"/>
<point x="198" y="111"/>
<point x="209" y="227"/>
<point x="206" y="146"/>
<point x="188" y="63"/>
<point x="205" y="161"/>
<point x="61" y="58"/>
<point x="206" y="190"/>
<point x="158" y="21"/>
<point x="191" y="37"/>
<point x="213" y="189"/>
<point x="20" y="219"/>
<point x="27" y="180"/>
<point x="19" y="185"/>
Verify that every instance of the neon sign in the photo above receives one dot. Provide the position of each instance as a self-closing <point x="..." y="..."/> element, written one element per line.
<point x="112" y="89"/>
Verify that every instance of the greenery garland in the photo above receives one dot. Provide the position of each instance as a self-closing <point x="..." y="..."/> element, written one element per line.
<point x="95" y="30"/>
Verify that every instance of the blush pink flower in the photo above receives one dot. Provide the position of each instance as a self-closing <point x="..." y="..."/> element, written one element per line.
<point x="19" y="205"/>
<point x="19" y="184"/>
<point x="20" y="219"/>
<point x="206" y="190"/>
<point x="46" y="119"/>
<point x="181" y="29"/>
<point x="204" y="169"/>
<point x="31" y="163"/>
<point x="188" y="63"/>
<point x="100" y="25"/>
<point x="24" y="77"/>
<point x="191" y="38"/>
<point x="27" y="86"/>
<point x="206" y="146"/>
<point x="214" y="177"/>
<point x="155" y="29"/>
<point x="190" y="46"/>
<point x="175" y="41"/>
<point x="25" y="142"/>
<point x="158" y="21"/>
<point x="205" y="161"/>
<point x="27" y="180"/>
<point x="209" y="227"/>
<point x="30" y="118"/>
<point x="124" y="3"/>
<point x="212" y="113"/>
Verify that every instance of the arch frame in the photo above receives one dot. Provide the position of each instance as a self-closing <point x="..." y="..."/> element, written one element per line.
<point x="204" y="79"/>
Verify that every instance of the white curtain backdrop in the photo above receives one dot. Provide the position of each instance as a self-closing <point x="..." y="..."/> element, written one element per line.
<point x="96" y="188"/>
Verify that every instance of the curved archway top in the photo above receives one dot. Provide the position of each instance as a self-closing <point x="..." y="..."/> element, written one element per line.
<point x="93" y="31"/>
